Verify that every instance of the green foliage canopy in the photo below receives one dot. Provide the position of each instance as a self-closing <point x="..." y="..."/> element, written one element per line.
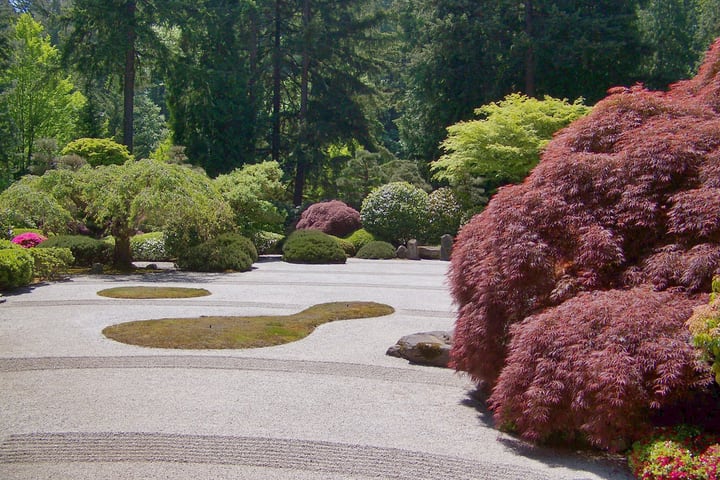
<point x="98" y="151"/>
<point x="504" y="145"/>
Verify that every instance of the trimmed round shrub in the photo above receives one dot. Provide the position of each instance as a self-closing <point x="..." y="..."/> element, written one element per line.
<point x="98" y="151"/>
<point x="51" y="263"/>
<point x="16" y="268"/>
<point x="333" y="217"/>
<point x="347" y="247"/>
<point x="377" y="250"/>
<point x="229" y="251"/>
<point x="28" y="239"/>
<point x="396" y="212"/>
<point x="149" y="247"/>
<point x="312" y="246"/>
<point x="573" y="287"/>
<point x="444" y="215"/>
<point x="85" y="250"/>
<point x="360" y="238"/>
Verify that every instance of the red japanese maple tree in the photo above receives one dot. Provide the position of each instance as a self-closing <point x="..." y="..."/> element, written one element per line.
<point x="558" y="280"/>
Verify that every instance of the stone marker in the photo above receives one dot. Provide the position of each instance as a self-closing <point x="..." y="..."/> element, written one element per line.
<point x="446" y="245"/>
<point x="426" y="348"/>
<point x="401" y="252"/>
<point x="412" y="250"/>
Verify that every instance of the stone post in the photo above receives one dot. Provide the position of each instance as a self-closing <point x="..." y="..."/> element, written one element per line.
<point x="412" y="250"/>
<point x="446" y="245"/>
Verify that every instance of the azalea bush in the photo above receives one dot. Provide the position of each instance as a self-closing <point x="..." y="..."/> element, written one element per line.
<point x="228" y="251"/>
<point x="681" y="452"/>
<point x="85" y="250"/>
<point x="28" y="239"/>
<point x="16" y="268"/>
<point x="149" y="247"/>
<point x="51" y="263"/>
<point x="377" y="250"/>
<point x="312" y="246"/>
<point x="360" y="238"/>
<point x="396" y="212"/>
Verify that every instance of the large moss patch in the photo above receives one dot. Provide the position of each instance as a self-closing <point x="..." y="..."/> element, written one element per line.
<point x="239" y="332"/>
<point x="153" y="292"/>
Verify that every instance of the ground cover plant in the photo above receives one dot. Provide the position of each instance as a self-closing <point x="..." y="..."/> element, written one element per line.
<point x="136" y="292"/>
<point x="574" y="287"/>
<point x="239" y="332"/>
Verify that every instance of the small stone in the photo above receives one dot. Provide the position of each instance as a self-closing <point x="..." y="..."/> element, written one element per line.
<point x="427" y="348"/>
<point x="401" y="252"/>
<point x="412" y="250"/>
<point x="446" y="245"/>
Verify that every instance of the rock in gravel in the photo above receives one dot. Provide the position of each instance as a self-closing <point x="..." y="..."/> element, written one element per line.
<point x="425" y="348"/>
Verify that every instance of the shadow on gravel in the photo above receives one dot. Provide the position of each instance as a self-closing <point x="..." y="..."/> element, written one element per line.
<point x="599" y="463"/>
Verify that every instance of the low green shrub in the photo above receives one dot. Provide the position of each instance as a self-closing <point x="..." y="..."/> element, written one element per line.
<point x="50" y="263"/>
<point x="378" y="250"/>
<point x="267" y="242"/>
<point x="704" y="325"/>
<point x="98" y="151"/>
<point x="149" y="247"/>
<point x="16" y="268"/>
<point x="312" y="246"/>
<point x="85" y="250"/>
<point x="5" y="244"/>
<point x="347" y="247"/>
<point x="680" y="452"/>
<point x="360" y="238"/>
<point x="228" y="251"/>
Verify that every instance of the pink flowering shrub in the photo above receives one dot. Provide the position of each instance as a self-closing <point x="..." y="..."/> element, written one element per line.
<point x="333" y="217"/>
<point x="28" y="239"/>
<point x="679" y="453"/>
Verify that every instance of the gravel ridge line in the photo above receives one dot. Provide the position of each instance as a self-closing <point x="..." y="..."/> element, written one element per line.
<point x="352" y="370"/>
<point x="318" y="456"/>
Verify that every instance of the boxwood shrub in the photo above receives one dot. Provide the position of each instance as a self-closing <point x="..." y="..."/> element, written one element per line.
<point x="229" y="251"/>
<point x="86" y="250"/>
<point x="360" y="238"/>
<point x="16" y="268"/>
<point x="377" y="250"/>
<point x="312" y="246"/>
<point x="50" y="263"/>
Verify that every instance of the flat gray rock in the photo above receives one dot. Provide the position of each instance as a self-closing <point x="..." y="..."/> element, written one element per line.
<point x="425" y="348"/>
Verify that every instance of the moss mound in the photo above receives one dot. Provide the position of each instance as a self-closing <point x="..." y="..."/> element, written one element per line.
<point x="239" y="332"/>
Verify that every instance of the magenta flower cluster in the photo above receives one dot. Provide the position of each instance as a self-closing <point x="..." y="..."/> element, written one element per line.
<point x="28" y="239"/>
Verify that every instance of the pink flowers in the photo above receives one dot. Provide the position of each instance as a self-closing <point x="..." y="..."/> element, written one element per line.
<point x="28" y="239"/>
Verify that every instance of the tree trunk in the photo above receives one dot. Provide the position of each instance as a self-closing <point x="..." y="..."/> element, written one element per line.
<point x="530" y="52"/>
<point x="302" y="164"/>
<point x="277" y="71"/>
<point x="129" y="76"/>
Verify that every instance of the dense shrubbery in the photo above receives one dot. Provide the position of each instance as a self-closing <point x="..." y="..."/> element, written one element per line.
<point x="377" y="250"/>
<point x="149" y="247"/>
<point x="705" y="328"/>
<point x="16" y="268"/>
<point x="624" y="199"/>
<point x="228" y="251"/>
<point x="98" y="151"/>
<point x="333" y="217"/>
<point x="312" y="246"/>
<point x="676" y="453"/>
<point x="360" y="238"/>
<point x="85" y="250"/>
<point x="444" y="215"/>
<point x="267" y="242"/>
<point x="396" y="212"/>
<point x="50" y="263"/>
<point x="346" y="246"/>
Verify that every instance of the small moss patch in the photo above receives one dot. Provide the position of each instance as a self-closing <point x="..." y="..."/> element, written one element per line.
<point x="153" y="292"/>
<point x="239" y="332"/>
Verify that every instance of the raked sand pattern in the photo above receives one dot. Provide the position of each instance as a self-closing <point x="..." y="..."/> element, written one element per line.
<point x="75" y="405"/>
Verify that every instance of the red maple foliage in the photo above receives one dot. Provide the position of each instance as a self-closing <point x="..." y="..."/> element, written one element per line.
<point x="625" y="198"/>
<point x="333" y="217"/>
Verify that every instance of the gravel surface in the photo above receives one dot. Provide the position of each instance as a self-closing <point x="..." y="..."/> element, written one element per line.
<point x="75" y="405"/>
